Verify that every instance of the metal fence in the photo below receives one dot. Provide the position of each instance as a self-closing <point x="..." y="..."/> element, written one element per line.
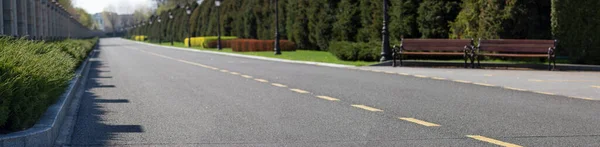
<point x="39" y="20"/>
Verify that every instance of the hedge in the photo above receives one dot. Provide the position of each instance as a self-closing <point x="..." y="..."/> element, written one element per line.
<point x="33" y="75"/>
<point x="203" y="41"/>
<point x="139" y="38"/>
<point x="355" y="51"/>
<point x="575" y="25"/>
<point x="253" y="45"/>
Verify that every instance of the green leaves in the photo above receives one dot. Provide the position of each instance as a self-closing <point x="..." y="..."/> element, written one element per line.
<point x="33" y="75"/>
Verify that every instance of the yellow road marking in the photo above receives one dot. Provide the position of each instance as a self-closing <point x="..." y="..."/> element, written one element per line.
<point x="517" y="89"/>
<point x="413" y="120"/>
<point x="328" y="98"/>
<point x="493" y="141"/>
<point x="438" y="78"/>
<point x="546" y="93"/>
<point x="389" y="72"/>
<point x="404" y="74"/>
<point x="420" y="76"/>
<point x="247" y="76"/>
<point x="299" y="91"/>
<point x="367" y="108"/>
<point x="535" y="80"/>
<point x="488" y="75"/>
<point x="261" y="80"/>
<point x="224" y="70"/>
<point x="461" y="81"/>
<point x="376" y="71"/>
<point x="595" y="86"/>
<point x="585" y="98"/>
<point x="278" y="85"/>
<point x="484" y="84"/>
<point x="234" y="73"/>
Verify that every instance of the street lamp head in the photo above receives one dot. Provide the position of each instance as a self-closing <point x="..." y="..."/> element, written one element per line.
<point x="170" y="15"/>
<point x="217" y="3"/>
<point x="188" y="10"/>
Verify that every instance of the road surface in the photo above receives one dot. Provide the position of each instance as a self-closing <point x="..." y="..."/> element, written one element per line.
<point x="143" y="95"/>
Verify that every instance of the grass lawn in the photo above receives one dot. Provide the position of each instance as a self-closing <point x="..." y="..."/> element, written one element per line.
<point x="326" y="57"/>
<point x="299" y="55"/>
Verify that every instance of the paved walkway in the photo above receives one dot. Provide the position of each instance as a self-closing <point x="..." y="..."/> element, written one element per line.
<point x="583" y="85"/>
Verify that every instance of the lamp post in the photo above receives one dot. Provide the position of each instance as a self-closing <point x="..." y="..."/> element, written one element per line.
<point x="148" y="28"/>
<point x="385" y="44"/>
<point x="159" y="32"/>
<point x="171" y="28"/>
<point x="188" y="11"/>
<point x="277" y="48"/>
<point x="218" y="3"/>
<point x="199" y="2"/>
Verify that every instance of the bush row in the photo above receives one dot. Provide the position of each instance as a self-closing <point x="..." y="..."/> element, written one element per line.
<point x="355" y="51"/>
<point x="203" y="41"/>
<point x="139" y="38"/>
<point x="253" y="45"/>
<point x="33" y="75"/>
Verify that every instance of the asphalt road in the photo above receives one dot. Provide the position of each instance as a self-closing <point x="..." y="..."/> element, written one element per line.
<point x="142" y="95"/>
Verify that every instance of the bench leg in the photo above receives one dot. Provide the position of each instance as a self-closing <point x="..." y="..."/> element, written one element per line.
<point x="465" y="62"/>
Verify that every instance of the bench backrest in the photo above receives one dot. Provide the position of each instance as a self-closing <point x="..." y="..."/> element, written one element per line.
<point x="435" y="44"/>
<point x="516" y="45"/>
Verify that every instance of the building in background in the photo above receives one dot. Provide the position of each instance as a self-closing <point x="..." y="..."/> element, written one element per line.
<point x="99" y="21"/>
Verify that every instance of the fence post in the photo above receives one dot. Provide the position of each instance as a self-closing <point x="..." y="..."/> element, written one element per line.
<point x="1" y="17"/>
<point x="32" y="15"/>
<point x="22" y="17"/>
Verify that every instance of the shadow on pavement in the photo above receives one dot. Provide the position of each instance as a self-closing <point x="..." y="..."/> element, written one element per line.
<point x="91" y="128"/>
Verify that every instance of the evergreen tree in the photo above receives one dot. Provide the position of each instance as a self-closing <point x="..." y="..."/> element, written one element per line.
<point x="348" y="20"/>
<point x="297" y="22"/>
<point x="403" y="16"/>
<point x="371" y="19"/>
<point x="434" y="17"/>
<point x="319" y="22"/>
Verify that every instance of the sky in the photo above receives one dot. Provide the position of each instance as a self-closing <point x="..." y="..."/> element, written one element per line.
<point x="121" y="6"/>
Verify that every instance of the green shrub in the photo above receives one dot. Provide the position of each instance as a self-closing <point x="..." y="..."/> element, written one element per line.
<point x="355" y="51"/>
<point x="575" y="25"/>
<point x="33" y="75"/>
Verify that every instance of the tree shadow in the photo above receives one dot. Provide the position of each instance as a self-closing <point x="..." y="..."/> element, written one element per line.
<point x="91" y="127"/>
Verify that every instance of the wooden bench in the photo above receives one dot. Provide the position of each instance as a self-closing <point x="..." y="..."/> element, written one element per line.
<point x="518" y="48"/>
<point x="437" y="47"/>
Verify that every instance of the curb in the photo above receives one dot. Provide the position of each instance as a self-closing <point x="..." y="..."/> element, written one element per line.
<point x="559" y="67"/>
<point x="249" y="56"/>
<point x="47" y="129"/>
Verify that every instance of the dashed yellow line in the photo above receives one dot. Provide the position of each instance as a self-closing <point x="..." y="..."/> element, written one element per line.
<point x="461" y="81"/>
<point x="246" y="76"/>
<point x="420" y="122"/>
<point x="389" y="72"/>
<point x="367" y="108"/>
<point x="376" y="71"/>
<point x="535" y="80"/>
<point x="488" y="75"/>
<point x="234" y="73"/>
<point x="493" y="141"/>
<point x="438" y="78"/>
<point x="546" y="93"/>
<point x="420" y="76"/>
<point x="299" y="91"/>
<point x="484" y="84"/>
<point x="595" y="86"/>
<point x="517" y="89"/>
<point x="404" y="74"/>
<point x="261" y="80"/>
<point x="278" y="85"/>
<point x="328" y="98"/>
<point x="585" y="98"/>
